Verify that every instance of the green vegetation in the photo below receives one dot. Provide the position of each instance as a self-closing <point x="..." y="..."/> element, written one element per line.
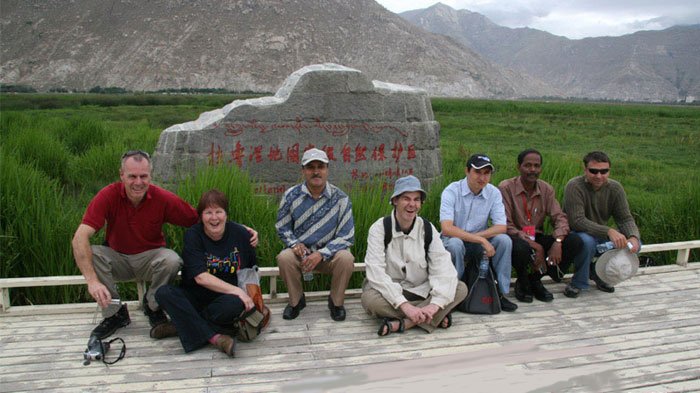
<point x="58" y="150"/>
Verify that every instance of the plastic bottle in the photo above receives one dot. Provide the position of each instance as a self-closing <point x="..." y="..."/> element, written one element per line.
<point x="308" y="276"/>
<point x="607" y="246"/>
<point x="484" y="266"/>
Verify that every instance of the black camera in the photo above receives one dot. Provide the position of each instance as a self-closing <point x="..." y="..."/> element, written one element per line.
<point x="96" y="350"/>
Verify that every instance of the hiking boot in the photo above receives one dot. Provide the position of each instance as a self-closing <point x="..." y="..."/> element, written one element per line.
<point x="166" y="329"/>
<point x="522" y="291"/>
<point x="227" y="345"/>
<point x="541" y="293"/>
<point x="571" y="291"/>
<point x="156" y="317"/>
<point x="291" y="312"/>
<point x="110" y="325"/>
<point x="337" y="312"/>
<point x="507" y="305"/>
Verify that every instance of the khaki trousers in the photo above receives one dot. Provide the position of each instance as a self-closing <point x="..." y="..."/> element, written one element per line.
<point x="158" y="266"/>
<point x="374" y="303"/>
<point x="340" y="267"/>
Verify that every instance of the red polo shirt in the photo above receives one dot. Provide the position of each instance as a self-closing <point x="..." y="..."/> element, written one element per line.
<point x="132" y="230"/>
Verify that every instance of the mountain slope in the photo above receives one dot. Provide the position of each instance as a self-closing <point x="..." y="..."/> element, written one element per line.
<point x="238" y="45"/>
<point x="644" y="66"/>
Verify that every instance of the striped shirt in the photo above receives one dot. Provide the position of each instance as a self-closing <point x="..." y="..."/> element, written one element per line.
<point x="324" y="225"/>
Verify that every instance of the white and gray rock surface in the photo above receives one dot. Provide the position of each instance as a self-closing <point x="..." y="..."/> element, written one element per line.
<point x="369" y="129"/>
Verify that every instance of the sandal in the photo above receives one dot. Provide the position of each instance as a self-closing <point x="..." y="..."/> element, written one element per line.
<point x="385" y="328"/>
<point x="449" y="322"/>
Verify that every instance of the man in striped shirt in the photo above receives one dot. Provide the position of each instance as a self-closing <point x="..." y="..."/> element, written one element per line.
<point x="315" y="223"/>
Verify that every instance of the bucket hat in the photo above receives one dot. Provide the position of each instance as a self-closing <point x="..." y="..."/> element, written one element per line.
<point x="616" y="266"/>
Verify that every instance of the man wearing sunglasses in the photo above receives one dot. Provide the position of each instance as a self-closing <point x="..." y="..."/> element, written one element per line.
<point x="529" y="201"/>
<point x="589" y="202"/>
<point x="134" y="211"/>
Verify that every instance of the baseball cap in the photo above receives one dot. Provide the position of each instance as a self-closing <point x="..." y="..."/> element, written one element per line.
<point x="479" y="161"/>
<point x="314" y="155"/>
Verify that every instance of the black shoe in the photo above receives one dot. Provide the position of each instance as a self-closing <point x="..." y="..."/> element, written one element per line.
<point x="293" y="312"/>
<point x="541" y="293"/>
<point x="110" y="325"/>
<point x="522" y="291"/>
<point x="337" y="312"/>
<point x="507" y="305"/>
<point x="571" y="291"/>
<point x="600" y="284"/>
<point x="155" y="318"/>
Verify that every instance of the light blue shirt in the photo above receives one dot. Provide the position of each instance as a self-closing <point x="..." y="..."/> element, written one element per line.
<point x="472" y="212"/>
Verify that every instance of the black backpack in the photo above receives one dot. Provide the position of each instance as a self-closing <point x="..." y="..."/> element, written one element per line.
<point x="483" y="296"/>
<point x="427" y="232"/>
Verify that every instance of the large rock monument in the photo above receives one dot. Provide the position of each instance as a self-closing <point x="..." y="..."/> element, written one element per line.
<point x="369" y="129"/>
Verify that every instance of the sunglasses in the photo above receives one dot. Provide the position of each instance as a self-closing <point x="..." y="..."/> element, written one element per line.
<point x="595" y="171"/>
<point x="132" y="153"/>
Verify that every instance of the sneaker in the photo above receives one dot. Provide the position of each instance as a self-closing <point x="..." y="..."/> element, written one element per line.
<point x="163" y="330"/>
<point x="522" y="291"/>
<point x="541" y="293"/>
<point x="227" y="345"/>
<point x="155" y="318"/>
<point x="507" y="305"/>
<point x="571" y="291"/>
<point x="110" y="325"/>
<point x="291" y="312"/>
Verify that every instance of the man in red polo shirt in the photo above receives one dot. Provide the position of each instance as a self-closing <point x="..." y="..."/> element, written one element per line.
<point x="134" y="211"/>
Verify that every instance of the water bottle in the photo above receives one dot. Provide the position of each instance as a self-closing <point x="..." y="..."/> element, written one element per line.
<point x="308" y="276"/>
<point x="484" y="266"/>
<point x="607" y="246"/>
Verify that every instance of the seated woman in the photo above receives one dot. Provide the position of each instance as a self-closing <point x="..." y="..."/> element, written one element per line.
<point x="408" y="283"/>
<point x="204" y="308"/>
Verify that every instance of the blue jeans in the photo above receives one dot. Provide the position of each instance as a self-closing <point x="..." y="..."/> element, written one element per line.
<point x="459" y="250"/>
<point x="582" y="263"/>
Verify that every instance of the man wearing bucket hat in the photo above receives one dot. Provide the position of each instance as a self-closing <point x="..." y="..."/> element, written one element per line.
<point x="411" y="280"/>
<point x="465" y="209"/>
<point x="315" y="223"/>
<point x="589" y="202"/>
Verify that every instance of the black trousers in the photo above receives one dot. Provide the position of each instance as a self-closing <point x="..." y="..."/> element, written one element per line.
<point x="198" y="314"/>
<point x="521" y="256"/>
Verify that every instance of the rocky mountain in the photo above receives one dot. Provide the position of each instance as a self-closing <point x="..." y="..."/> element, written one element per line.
<point x="644" y="66"/>
<point x="147" y="45"/>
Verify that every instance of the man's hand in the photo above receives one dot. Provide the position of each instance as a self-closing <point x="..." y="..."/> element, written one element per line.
<point x="616" y="237"/>
<point x="309" y="263"/>
<point x="300" y="250"/>
<point x="415" y="314"/>
<point x="635" y="245"/>
<point x="247" y="300"/>
<point x="488" y="248"/>
<point x="430" y="310"/>
<point x="539" y="261"/>
<point x="555" y="253"/>
<point x="100" y="293"/>
<point x="253" y="236"/>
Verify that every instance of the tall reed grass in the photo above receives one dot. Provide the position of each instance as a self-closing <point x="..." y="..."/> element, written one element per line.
<point x="53" y="161"/>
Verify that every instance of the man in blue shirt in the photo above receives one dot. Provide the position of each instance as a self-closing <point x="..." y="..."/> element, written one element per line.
<point x="315" y="223"/>
<point x="465" y="209"/>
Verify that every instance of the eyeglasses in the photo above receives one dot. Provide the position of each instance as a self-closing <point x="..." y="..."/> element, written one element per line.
<point x="595" y="171"/>
<point x="132" y="153"/>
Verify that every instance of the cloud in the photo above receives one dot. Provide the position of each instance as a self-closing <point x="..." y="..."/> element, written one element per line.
<point x="573" y="18"/>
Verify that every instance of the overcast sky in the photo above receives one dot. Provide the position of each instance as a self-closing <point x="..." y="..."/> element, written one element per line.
<point x="573" y="18"/>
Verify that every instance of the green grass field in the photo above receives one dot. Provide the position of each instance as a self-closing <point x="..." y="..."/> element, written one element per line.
<point x="57" y="151"/>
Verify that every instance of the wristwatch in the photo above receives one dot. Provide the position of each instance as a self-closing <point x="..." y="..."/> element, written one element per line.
<point x="558" y="240"/>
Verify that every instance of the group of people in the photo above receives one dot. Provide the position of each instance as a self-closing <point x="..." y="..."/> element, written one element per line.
<point x="414" y="274"/>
